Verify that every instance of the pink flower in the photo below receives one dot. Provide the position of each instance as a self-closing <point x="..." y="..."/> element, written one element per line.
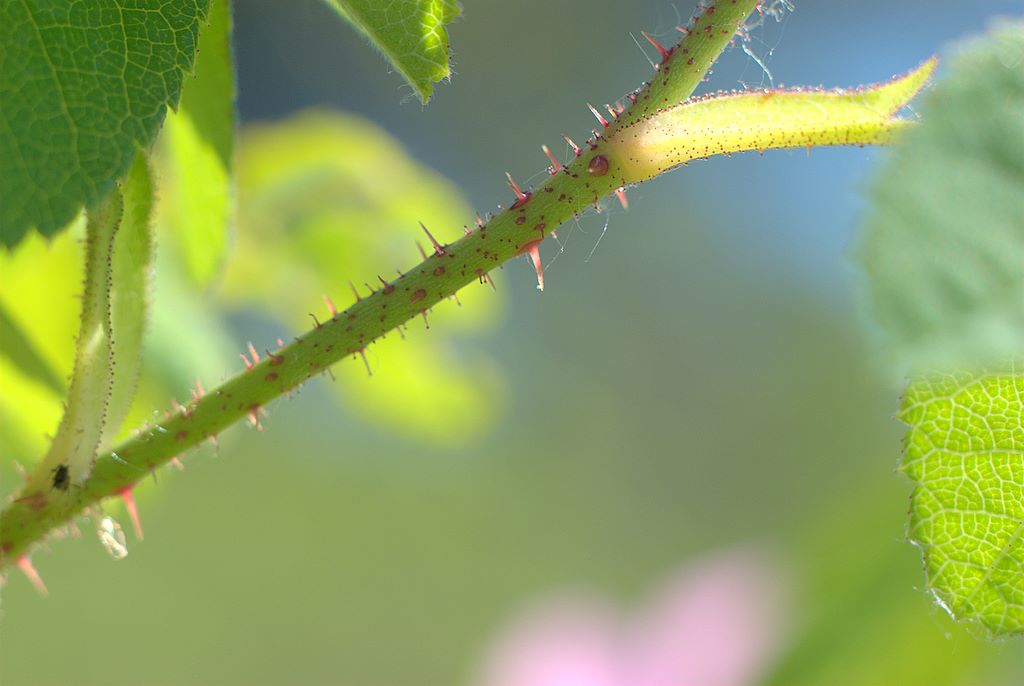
<point x="717" y="623"/>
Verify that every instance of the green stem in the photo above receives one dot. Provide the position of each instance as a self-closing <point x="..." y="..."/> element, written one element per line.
<point x="596" y="172"/>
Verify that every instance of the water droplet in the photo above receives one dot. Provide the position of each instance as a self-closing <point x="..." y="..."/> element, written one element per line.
<point x="112" y="538"/>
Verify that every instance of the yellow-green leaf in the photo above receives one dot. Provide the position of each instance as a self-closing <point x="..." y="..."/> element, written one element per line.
<point x="965" y="454"/>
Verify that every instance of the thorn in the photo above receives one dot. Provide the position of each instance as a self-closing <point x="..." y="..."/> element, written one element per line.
<point x="479" y="222"/>
<point x="619" y="108"/>
<point x="401" y="333"/>
<point x="661" y="48"/>
<point x="248" y="365"/>
<point x="388" y="288"/>
<point x="133" y="511"/>
<point x="575" y="148"/>
<point x="354" y="291"/>
<point x="25" y="565"/>
<point x="488" y="279"/>
<point x="177" y="464"/>
<point x="438" y="248"/>
<point x="198" y="392"/>
<point x="621" y="195"/>
<point x="521" y="197"/>
<point x="611" y="111"/>
<point x="632" y="97"/>
<point x="425" y="322"/>
<point x="533" y="250"/>
<point x="423" y="253"/>
<point x="683" y="30"/>
<point x="330" y="305"/>
<point x="455" y="297"/>
<point x="253" y="354"/>
<point x="593" y="110"/>
<point x="556" y="166"/>
<point x="362" y="354"/>
<point x="316" y="322"/>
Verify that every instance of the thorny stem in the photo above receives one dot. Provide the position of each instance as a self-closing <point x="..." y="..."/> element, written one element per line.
<point x="596" y="171"/>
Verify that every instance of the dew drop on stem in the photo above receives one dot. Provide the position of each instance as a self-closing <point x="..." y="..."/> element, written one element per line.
<point x="112" y="538"/>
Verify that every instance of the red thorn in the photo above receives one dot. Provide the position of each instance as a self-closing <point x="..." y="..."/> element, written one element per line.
<point x="280" y="343"/>
<point x="479" y="222"/>
<point x="25" y="565"/>
<point x="253" y="354"/>
<point x="619" y="108"/>
<point x="248" y="365"/>
<point x="533" y="250"/>
<point x="621" y="195"/>
<point x="611" y="111"/>
<point x="683" y="30"/>
<point x="330" y="305"/>
<point x="575" y="148"/>
<point x="556" y="166"/>
<point x="521" y="197"/>
<point x="362" y="354"/>
<point x="200" y="391"/>
<point x="133" y="511"/>
<point x="661" y="48"/>
<point x="593" y="110"/>
<point x="354" y="291"/>
<point x="438" y="248"/>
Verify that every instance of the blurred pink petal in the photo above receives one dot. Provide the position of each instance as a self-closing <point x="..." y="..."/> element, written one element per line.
<point x="718" y="623"/>
<point x="564" y="643"/>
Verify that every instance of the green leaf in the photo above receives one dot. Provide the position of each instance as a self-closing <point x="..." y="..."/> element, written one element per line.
<point x="78" y="436"/>
<point x="197" y="148"/>
<point x="82" y="85"/>
<point x="131" y="272"/>
<point x="763" y="120"/>
<point x="945" y="238"/>
<point x="410" y="33"/>
<point x="964" y="454"/>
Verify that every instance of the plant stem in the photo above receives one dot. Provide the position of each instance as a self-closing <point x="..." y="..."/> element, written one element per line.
<point x="597" y="171"/>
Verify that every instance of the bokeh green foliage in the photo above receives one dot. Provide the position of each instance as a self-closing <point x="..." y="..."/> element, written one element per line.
<point x="329" y="199"/>
<point x="943" y="240"/>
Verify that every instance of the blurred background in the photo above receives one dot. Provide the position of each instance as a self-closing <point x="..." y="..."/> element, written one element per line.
<point x="687" y="433"/>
